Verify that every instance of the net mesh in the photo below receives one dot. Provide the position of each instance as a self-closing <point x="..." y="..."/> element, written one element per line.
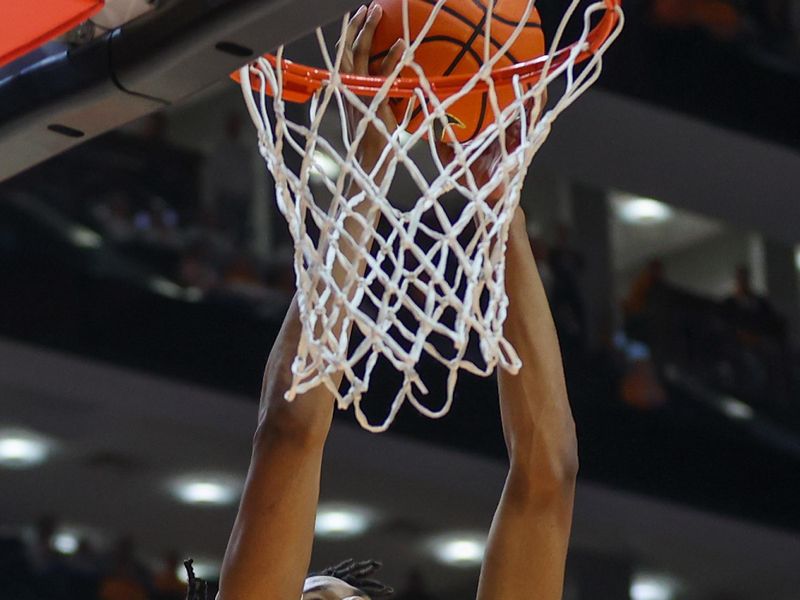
<point x="406" y="260"/>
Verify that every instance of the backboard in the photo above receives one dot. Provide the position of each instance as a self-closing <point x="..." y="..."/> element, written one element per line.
<point x="63" y="96"/>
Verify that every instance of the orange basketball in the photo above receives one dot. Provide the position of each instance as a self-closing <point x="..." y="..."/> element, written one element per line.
<point x="455" y="45"/>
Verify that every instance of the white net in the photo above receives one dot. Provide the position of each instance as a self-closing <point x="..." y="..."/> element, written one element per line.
<point x="406" y="259"/>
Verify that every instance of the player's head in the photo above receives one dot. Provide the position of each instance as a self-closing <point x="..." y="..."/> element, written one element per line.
<point x="325" y="587"/>
<point x="349" y="580"/>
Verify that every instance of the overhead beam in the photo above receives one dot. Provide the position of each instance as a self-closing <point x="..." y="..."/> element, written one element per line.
<point x="161" y="58"/>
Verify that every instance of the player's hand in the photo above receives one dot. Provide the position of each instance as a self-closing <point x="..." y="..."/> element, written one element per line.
<point x="485" y="166"/>
<point x="357" y="42"/>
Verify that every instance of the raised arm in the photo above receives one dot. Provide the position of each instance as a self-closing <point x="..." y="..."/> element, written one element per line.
<point x="269" y="550"/>
<point x="527" y="546"/>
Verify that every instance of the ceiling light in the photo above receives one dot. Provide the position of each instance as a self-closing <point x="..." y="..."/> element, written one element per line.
<point x="66" y="542"/>
<point x="324" y="166"/>
<point x="21" y="449"/>
<point x="652" y="587"/>
<point x="643" y="211"/>
<point x="797" y="258"/>
<point x="736" y="409"/>
<point x="341" y="521"/>
<point x="460" y="550"/>
<point x="208" y="491"/>
<point x="85" y="237"/>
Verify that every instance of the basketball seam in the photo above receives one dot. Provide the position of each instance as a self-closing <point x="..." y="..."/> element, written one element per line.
<point x="504" y="20"/>
<point x="443" y="38"/>
<point x="469" y="22"/>
<point x="478" y="30"/>
<point x="466" y="47"/>
<point x="479" y="126"/>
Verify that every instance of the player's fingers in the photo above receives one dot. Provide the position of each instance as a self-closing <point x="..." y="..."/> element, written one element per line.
<point x="353" y="27"/>
<point x="363" y="42"/>
<point x="392" y="58"/>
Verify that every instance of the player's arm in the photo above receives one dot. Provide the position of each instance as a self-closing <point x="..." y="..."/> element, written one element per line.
<point x="269" y="550"/>
<point x="270" y="546"/>
<point x="527" y="546"/>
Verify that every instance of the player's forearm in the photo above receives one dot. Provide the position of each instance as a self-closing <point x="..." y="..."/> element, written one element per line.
<point x="537" y="420"/>
<point x="309" y="415"/>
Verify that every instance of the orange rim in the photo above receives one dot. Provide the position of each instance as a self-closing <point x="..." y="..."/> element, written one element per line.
<point x="301" y="82"/>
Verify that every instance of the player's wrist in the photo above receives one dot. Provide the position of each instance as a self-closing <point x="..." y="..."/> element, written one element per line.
<point x="280" y="423"/>
<point x="518" y="231"/>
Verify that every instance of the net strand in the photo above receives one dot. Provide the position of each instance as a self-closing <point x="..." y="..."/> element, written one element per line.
<point x="414" y="280"/>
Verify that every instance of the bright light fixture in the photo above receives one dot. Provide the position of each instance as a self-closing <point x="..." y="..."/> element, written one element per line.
<point x="341" y="521"/>
<point x="206" y="490"/>
<point x="324" y="165"/>
<point x="85" y="237"/>
<point x="643" y="211"/>
<point x="797" y="258"/>
<point x="460" y="550"/>
<point x="736" y="409"/>
<point x="20" y="449"/>
<point x="66" y="542"/>
<point x="652" y="587"/>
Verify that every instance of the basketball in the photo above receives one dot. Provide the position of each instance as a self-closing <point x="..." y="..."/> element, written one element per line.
<point x="454" y="45"/>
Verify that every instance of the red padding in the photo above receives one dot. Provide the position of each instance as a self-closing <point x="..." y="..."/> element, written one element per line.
<point x="27" y="24"/>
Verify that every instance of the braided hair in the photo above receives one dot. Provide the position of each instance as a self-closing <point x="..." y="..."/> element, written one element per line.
<point x="351" y="572"/>
<point x="198" y="589"/>
<point x="357" y="574"/>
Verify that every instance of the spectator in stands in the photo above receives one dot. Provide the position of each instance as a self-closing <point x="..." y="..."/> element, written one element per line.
<point x="228" y="181"/>
<point x="751" y="311"/>
<point x="566" y="265"/>
<point x="206" y="228"/>
<point x="776" y="22"/>
<point x="637" y="307"/>
<point x="167" y="584"/>
<point x="126" y="579"/>
<point x="721" y="18"/>
<point x="42" y="555"/>
<point x="158" y="223"/>
<point x="115" y="216"/>
<point x="83" y="571"/>
<point x="197" y="268"/>
<point x="757" y="354"/>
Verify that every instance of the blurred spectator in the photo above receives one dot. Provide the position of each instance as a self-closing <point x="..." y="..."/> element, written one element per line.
<point x="126" y="579"/>
<point x="415" y="587"/>
<point x="115" y="216"/>
<point x="197" y="268"/>
<point x="756" y="356"/>
<point x="166" y="582"/>
<point x="637" y="305"/>
<point x="83" y="571"/>
<point x="640" y="387"/>
<point x="158" y="223"/>
<point x="170" y="171"/>
<point x="566" y="266"/>
<point x="722" y="19"/>
<point x="206" y="228"/>
<point x="752" y="313"/>
<point x="42" y="555"/>
<point x="242" y="272"/>
<point x="228" y="181"/>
